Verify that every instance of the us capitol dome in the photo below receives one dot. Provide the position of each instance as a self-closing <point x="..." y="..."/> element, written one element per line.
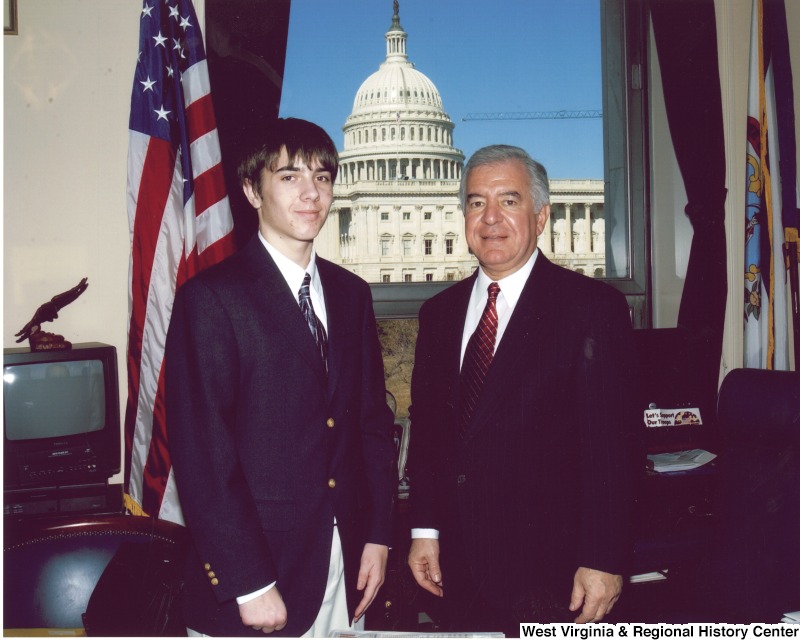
<point x="398" y="126"/>
<point x="396" y="215"/>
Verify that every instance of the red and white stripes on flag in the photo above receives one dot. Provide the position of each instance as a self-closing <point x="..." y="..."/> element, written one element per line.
<point x="180" y="223"/>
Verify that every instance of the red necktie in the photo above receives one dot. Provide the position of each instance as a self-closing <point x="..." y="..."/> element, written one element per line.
<point x="478" y="356"/>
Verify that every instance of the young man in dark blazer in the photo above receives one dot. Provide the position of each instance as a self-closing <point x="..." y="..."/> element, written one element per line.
<point x="521" y="473"/>
<point x="278" y="424"/>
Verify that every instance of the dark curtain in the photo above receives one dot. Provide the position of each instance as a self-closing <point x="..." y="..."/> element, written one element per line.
<point x="686" y="41"/>
<point x="246" y="47"/>
<point x="776" y="51"/>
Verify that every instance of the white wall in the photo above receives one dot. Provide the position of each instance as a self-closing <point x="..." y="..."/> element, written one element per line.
<point x="67" y="87"/>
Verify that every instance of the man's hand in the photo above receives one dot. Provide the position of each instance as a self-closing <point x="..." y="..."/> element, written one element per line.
<point x="597" y="591"/>
<point x="266" y="612"/>
<point x="371" y="574"/>
<point x="423" y="558"/>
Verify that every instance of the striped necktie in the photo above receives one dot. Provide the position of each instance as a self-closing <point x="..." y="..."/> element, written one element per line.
<point x="314" y="324"/>
<point x="478" y="356"/>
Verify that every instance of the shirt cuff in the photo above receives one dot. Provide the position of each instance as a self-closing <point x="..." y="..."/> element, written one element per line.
<point x="425" y="533"/>
<point x="252" y="596"/>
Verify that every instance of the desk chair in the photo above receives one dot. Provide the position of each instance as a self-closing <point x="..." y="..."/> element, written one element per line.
<point x="753" y="572"/>
<point x="93" y="575"/>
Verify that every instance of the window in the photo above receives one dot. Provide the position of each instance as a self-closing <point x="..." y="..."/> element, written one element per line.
<point x="428" y="245"/>
<point x="407" y="277"/>
<point x="384" y="216"/>
<point x="386" y="277"/>
<point x="429" y="276"/>
<point x="397" y="338"/>
<point x="386" y="245"/>
<point x="408" y="242"/>
<point x="602" y="77"/>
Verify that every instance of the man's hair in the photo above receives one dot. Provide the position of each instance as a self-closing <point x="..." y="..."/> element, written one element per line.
<point x="537" y="174"/>
<point x="302" y="140"/>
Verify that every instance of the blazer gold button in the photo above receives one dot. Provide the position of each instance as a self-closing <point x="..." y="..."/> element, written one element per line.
<point x="206" y="566"/>
<point x="211" y="574"/>
<point x="214" y="581"/>
<point x="330" y="422"/>
<point x="331" y="483"/>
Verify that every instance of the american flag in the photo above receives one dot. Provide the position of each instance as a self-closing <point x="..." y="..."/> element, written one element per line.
<point x="180" y="223"/>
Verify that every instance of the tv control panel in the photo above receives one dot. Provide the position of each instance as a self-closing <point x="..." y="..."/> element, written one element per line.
<point x="65" y="466"/>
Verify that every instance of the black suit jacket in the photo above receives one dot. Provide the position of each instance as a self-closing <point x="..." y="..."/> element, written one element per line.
<point x="257" y="430"/>
<point x="540" y="484"/>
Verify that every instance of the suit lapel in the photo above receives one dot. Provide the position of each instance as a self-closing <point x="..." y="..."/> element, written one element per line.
<point x="452" y="332"/>
<point x="527" y="323"/>
<point x="340" y="321"/>
<point x="277" y="305"/>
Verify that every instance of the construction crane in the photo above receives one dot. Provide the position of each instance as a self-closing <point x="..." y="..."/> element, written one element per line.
<point x="534" y="115"/>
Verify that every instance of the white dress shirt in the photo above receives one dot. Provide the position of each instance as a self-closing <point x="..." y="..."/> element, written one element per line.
<point x="293" y="273"/>
<point x="510" y="291"/>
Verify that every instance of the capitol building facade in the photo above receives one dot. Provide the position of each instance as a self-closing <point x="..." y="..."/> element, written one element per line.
<point x="396" y="216"/>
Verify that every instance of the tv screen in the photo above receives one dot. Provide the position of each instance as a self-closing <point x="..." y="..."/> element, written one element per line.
<point x="60" y="416"/>
<point x="54" y="399"/>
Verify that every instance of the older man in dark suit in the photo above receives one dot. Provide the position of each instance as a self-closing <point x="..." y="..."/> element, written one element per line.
<point x="521" y="456"/>
<point x="278" y="425"/>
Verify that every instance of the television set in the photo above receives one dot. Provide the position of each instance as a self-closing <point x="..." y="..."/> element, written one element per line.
<point x="61" y="419"/>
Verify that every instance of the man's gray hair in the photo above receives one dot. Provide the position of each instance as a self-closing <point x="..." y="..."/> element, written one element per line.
<point x="537" y="174"/>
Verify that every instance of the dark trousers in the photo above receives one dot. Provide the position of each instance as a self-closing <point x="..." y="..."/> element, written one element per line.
<point x="470" y="606"/>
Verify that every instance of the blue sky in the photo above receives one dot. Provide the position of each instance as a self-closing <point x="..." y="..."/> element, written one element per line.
<point x="482" y="55"/>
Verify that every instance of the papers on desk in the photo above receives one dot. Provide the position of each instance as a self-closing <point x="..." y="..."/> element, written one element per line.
<point x="791" y="618"/>
<point x="679" y="460"/>
<point x="652" y="576"/>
